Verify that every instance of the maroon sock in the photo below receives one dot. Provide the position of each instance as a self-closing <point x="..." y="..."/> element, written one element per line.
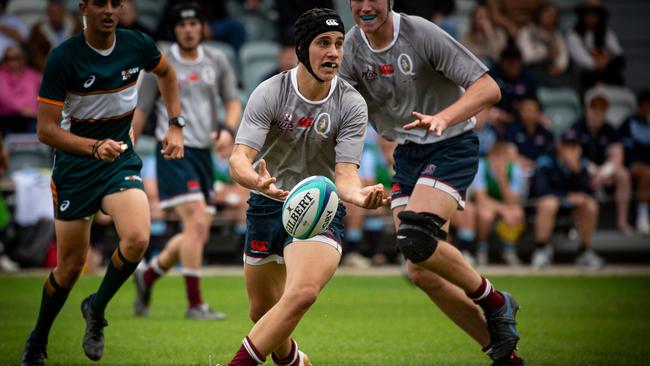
<point x="193" y="290"/>
<point x="486" y="297"/>
<point x="291" y="360"/>
<point x="154" y="272"/>
<point x="247" y="355"/>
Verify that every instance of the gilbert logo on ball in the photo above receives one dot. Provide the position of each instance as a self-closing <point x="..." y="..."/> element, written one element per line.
<point x="310" y="207"/>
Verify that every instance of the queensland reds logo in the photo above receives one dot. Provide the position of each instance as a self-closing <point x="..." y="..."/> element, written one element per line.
<point x="286" y="123"/>
<point x="405" y="64"/>
<point x="323" y="124"/>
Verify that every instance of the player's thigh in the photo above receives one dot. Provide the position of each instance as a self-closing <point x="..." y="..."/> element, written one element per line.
<point x="129" y="209"/>
<point x="429" y="199"/>
<point x="310" y="264"/>
<point x="193" y="211"/>
<point x="72" y="240"/>
<point x="264" y="284"/>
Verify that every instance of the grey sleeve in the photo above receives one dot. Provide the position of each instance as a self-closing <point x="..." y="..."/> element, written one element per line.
<point x="352" y="134"/>
<point x="227" y="81"/>
<point x="147" y="92"/>
<point x="446" y="55"/>
<point x="258" y="116"/>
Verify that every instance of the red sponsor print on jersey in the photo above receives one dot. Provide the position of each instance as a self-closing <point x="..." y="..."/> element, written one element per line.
<point x="260" y="246"/>
<point x="193" y="185"/>
<point x="306" y="121"/>
<point x="386" y="69"/>
<point x="194" y="77"/>
<point x="395" y="188"/>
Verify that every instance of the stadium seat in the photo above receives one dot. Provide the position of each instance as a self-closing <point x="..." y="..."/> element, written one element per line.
<point x="26" y="151"/>
<point x="561" y="105"/>
<point x="29" y="11"/>
<point x="258" y="59"/>
<point x="258" y="27"/>
<point x="622" y="102"/>
<point x="150" y="12"/>
<point x="230" y="52"/>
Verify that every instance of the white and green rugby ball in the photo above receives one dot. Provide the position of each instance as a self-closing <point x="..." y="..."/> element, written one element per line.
<point x="310" y="207"/>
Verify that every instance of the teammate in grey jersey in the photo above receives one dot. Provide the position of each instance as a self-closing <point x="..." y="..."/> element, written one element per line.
<point x="185" y="185"/>
<point x="423" y="89"/>
<point x="299" y="123"/>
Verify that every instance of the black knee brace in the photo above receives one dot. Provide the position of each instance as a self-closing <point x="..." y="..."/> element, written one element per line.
<point x="418" y="234"/>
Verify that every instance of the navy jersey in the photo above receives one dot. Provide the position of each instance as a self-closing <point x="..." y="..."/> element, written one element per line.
<point x="594" y="146"/>
<point x="635" y="136"/>
<point x="531" y="146"/>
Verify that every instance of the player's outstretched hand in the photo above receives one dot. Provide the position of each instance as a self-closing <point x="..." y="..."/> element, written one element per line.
<point x="372" y="197"/>
<point x="427" y="122"/>
<point x="172" y="143"/>
<point x="266" y="183"/>
<point x="108" y="150"/>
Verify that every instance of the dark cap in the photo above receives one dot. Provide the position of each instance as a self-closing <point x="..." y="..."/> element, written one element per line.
<point x="186" y="10"/>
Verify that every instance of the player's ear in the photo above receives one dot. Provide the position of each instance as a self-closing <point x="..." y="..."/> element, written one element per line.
<point x="83" y="4"/>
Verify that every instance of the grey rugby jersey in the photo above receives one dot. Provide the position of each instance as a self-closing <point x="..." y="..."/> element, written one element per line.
<point x="201" y="83"/>
<point x="298" y="137"/>
<point x="423" y="70"/>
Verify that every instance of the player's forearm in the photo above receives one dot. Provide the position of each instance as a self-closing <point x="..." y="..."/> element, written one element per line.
<point x="242" y="172"/>
<point x="63" y="140"/>
<point x="233" y="113"/>
<point x="139" y="118"/>
<point x="483" y="93"/>
<point x="169" y="91"/>
<point x="348" y="183"/>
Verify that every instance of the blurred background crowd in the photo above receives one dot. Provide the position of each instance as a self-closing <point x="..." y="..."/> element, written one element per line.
<point x="565" y="155"/>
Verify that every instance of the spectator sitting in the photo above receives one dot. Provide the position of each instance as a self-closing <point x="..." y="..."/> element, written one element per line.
<point x="563" y="182"/>
<point x="514" y="81"/>
<point x="543" y="48"/>
<point x="512" y="15"/>
<point x="485" y="39"/>
<point x="594" y="47"/>
<point x="18" y="91"/>
<point x="287" y="58"/>
<point x="129" y="18"/>
<point x="529" y="135"/>
<point x="12" y="29"/>
<point x="57" y="26"/>
<point x="603" y="149"/>
<point x="497" y="188"/>
<point x="635" y="134"/>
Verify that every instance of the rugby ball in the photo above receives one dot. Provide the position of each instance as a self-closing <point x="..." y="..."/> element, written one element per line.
<point x="310" y="207"/>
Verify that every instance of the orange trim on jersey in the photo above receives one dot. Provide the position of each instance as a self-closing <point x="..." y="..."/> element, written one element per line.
<point x="106" y="91"/>
<point x="55" y="195"/>
<point x="106" y="119"/>
<point x="162" y="57"/>
<point x="50" y="101"/>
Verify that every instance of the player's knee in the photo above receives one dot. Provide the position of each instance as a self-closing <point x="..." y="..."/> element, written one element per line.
<point x="198" y="226"/>
<point x="548" y="204"/>
<point x="418" y="234"/>
<point x="486" y="215"/>
<point x="256" y="312"/>
<point x="135" y="243"/>
<point x="302" y="297"/>
<point x="69" y="270"/>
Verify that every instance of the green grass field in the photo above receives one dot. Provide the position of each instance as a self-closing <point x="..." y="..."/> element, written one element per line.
<point x="356" y="321"/>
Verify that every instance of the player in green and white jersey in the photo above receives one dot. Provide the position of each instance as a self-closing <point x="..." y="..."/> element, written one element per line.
<point x="87" y="100"/>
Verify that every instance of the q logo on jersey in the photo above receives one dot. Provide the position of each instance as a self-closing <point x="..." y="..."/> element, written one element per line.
<point x="405" y="64"/>
<point x="323" y="124"/>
